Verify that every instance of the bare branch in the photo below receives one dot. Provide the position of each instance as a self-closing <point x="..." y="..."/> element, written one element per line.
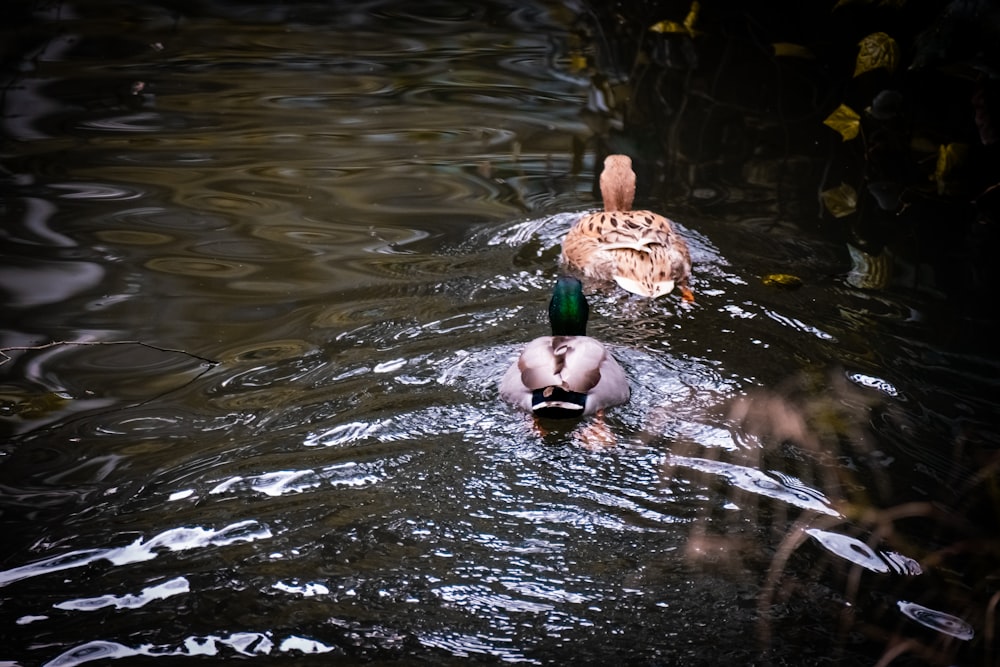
<point x="4" y="357"/>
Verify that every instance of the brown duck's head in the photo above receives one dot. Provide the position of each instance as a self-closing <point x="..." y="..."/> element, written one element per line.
<point x="618" y="183"/>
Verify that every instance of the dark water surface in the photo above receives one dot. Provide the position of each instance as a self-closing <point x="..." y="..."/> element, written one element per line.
<point x="328" y="229"/>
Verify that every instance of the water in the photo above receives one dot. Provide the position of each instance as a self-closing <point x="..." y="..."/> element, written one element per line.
<point x="292" y="249"/>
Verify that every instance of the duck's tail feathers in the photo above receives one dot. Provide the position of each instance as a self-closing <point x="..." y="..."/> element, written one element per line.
<point x="653" y="289"/>
<point x="557" y="403"/>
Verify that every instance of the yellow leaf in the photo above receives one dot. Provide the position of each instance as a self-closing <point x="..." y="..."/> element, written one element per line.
<point x="877" y="50"/>
<point x="577" y="62"/>
<point x="691" y="17"/>
<point x="790" y="50"/>
<point x="949" y="156"/>
<point x="844" y="120"/>
<point x="668" y="26"/>
<point x="686" y="28"/>
<point x="840" y="201"/>
<point x="785" y="280"/>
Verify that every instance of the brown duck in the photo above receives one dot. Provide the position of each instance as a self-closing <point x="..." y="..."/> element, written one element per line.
<point x="639" y="250"/>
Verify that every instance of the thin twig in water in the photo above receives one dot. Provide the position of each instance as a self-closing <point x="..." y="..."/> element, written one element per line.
<point x="4" y="357"/>
<point x="211" y="363"/>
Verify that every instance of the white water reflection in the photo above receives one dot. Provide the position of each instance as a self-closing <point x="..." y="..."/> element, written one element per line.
<point x="470" y="646"/>
<point x="937" y="620"/>
<point x="175" y="539"/>
<point x="798" y="324"/>
<point x="162" y="591"/>
<point x="281" y="482"/>
<point x="859" y="553"/>
<point x="250" y="644"/>
<point x="30" y="618"/>
<point x="775" y="485"/>
<point x="46" y="282"/>
<point x="305" y="590"/>
<point x="481" y="597"/>
<point x="873" y="382"/>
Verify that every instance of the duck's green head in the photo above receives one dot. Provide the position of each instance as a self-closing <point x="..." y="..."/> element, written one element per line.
<point x="568" y="309"/>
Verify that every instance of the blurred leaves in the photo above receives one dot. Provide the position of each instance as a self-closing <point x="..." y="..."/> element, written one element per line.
<point x="845" y="121"/>
<point x="686" y="28"/>
<point x="691" y="17"/>
<point x="789" y="50"/>
<point x="668" y="26"/>
<point x="949" y="157"/>
<point x="840" y="201"/>
<point x="877" y="50"/>
<point x="783" y="280"/>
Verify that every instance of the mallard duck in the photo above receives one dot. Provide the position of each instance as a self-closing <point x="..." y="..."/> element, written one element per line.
<point x="567" y="374"/>
<point x="639" y="250"/>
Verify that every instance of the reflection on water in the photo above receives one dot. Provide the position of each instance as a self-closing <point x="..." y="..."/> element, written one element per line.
<point x="240" y="643"/>
<point x="861" y="554"/>
<point x="162" y="591"/>
<point x="775" y="485"/>
<point x="936" y="620"/>
<point x="177" y="539"/>
<point x="295" y="247"/>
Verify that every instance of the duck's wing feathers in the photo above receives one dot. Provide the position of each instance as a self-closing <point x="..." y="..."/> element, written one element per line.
<point x="570" y="362"/>
<point x="639" y="250"/>
<point x="637" y="230"/>
<point x="625" y="229"/>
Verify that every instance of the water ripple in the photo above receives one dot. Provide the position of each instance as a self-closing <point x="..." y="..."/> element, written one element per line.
<point x="45" y="282"/>
<point x="137" y="122"/>
<point x="876" y="383"/>
<point x="778" y="486"/>
<point x="280" y="482"/>
<point x="174" y="220"/>
<point x="937" y="620"/>
<point x="134" y="237"/>
<point x="249" y="644"/>
<point x="799" y="325"/>
<point x="162" y="591"/>
<point x="202" y="267"/>
<point x="470" y="646"/>
<point x="98" y="191"/>
<point x="859" y="553"/>
<point x="175" y="539"/>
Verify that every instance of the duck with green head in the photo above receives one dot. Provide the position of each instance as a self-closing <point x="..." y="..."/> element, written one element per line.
<point x="568" y="374"/>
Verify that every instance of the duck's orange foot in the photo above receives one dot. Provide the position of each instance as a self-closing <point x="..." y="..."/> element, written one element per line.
<point x="596" y="435"/>
<point x="687" y="294"/>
